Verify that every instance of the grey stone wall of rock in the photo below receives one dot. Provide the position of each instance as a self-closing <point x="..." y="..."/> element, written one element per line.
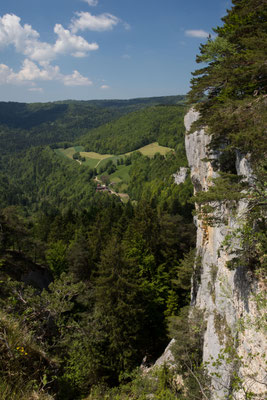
<point x="226" y="297"/>
<point x="181" y="175"/>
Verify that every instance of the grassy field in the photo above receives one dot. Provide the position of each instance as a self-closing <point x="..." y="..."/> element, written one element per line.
<point x="122" y="174"/>
<point x="151" y="149"/>
<point x="120" y="178"/>
<point x="96" y="156"/>
<point x="93" y="160"/>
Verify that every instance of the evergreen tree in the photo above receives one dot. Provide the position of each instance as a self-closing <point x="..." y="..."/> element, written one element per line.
<point x="124" y="316"/>
<point x="232" y="86"/>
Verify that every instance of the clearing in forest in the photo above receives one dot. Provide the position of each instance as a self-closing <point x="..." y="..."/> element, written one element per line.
<point x="93" y="160"/>
<point x="151" y="149"/>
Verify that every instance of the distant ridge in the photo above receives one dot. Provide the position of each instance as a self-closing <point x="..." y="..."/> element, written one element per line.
<point x="23" y="125"/>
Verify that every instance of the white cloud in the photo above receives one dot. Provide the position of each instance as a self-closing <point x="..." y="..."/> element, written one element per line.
<point x="76" y="79"/>
<point x="36" y="66"/>
<point x="92" y="3"/>
<point x="104" y="87"/>
<point x="126" y="56"/>
<point x="66" y="43"/>
<point x="26" y="41"/>
<point x="5" y="73"/>
<point x="198" y="33"/>
<point x="85" y="20"/>
<point x="11" y="32"/>
<point x="30" y="73"/>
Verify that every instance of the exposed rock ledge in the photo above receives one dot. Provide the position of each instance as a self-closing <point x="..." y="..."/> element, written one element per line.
<point x="226" y="297"/>
<point x="180" y="176"/>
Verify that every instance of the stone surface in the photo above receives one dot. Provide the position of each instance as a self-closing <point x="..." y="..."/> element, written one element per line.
<point x="226" y="297"/>
<point x="167" y="357"/>
<point x="180" y="175"/>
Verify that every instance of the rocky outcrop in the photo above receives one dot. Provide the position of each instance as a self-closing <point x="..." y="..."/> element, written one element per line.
<point x="180" y="176"/>
<point x="229" y="299"/>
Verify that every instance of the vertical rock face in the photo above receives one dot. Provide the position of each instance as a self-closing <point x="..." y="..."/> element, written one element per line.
<point x="228" y="298"/>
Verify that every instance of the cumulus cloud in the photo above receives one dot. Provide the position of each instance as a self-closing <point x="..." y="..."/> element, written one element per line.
<point x="30" y="72"/>
<point x="5" y="73"/>
<point x="26" y="41"/>
<point x="92" y="3"/>
<point x="11" y="31"/>
<point x="38" y="55"/>
<point x="198" y="33"/>
<point x="68" y="43"/>
<point x="76" y="79"/>
<point x="104" y="87"/>
<point x="99" y="23"/>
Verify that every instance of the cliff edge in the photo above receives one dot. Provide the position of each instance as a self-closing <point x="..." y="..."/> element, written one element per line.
<point x="231" y="299"/>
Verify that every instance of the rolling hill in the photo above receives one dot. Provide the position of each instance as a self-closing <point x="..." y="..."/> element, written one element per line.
<point x="24" y="125"/>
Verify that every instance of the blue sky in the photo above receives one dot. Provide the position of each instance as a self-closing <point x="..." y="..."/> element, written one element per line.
<point x="98" y="49"/>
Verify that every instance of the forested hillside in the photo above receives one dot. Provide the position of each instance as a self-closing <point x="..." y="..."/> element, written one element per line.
<point x="162" y="124"/>
<point x="39" y="180"/>
<point x="88" y="282"/>
<point x="92" y="287"/>
<point x="24" y="125"/>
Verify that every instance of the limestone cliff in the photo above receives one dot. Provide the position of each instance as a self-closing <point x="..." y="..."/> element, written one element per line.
<point x="228" y="298"/>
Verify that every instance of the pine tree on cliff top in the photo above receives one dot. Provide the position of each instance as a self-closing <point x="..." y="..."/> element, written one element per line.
<point x="231" y="88"/>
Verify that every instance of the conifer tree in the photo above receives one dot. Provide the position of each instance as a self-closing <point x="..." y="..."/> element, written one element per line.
<point x="232" y="85"/>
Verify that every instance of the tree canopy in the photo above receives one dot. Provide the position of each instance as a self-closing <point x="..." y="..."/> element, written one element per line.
<point x="230" y="90"/>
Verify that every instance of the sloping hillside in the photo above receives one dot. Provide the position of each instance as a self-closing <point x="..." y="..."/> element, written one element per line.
<point x="162" y="124"/>
<point x="24" y="125"/>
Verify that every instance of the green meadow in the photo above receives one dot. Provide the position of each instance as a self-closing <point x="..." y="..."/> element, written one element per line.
<point x="93" y="160"/>
<point x="120" y="178"/>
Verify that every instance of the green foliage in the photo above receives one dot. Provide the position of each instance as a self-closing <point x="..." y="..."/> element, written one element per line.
<point x="24" y="125"/>
<point x="226" y="189"/>
<point x="230" y="92"/>
<point x="41" y="180"/>
<point x="248" y="245"/>
<point x="185" y="270"/>
<point x="216" y="50"/>
<point x="23" y="363"/>
<point x="113" y="264"/>
<point x="163" y="124"/>
<point x="160" y="383"/>
<point x="151" y="180"/>
<point x="123" y="314"/>
<point x="188" y="331"/>
<point x="234" y="81"/>
<point x="99" y="319"/>
<point x="56" y="258"/>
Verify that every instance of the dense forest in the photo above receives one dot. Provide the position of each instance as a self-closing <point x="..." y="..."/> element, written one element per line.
<point x="24" y="125"/>
<point x="159" y="123"/>
<point x="89" y="282"/>
<point x="92" y="287"/>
